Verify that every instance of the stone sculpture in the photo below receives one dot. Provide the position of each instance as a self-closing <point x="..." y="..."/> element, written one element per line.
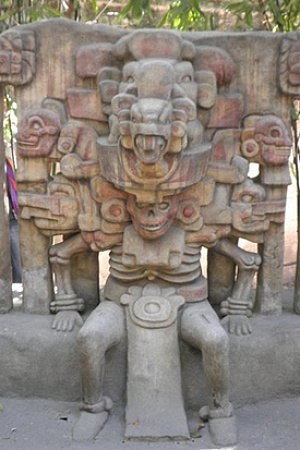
<point x="144" y="149"/>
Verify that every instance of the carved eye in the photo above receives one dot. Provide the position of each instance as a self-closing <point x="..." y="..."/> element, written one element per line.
<point x="187" y="79"/>
<point x="164" y="206"/>
<point x="275" y="132"/>
<point x="36" y="125"/>
<point x="130" y="79"/>
<point x="247" y="198"/>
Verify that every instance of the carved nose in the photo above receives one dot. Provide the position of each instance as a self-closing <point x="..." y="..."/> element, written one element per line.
<point x="151" y="212"/>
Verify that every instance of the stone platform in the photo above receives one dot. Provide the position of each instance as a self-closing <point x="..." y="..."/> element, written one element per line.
<point x="39" y="362"/>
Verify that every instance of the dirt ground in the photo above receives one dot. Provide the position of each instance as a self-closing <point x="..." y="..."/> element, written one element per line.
<point x="46" y="425"/>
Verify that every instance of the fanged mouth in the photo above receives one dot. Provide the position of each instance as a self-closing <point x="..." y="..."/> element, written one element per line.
<point x="149" y="148"/>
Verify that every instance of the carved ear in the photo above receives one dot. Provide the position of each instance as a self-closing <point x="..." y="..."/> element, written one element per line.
<point x="249" y="148"/>
<point x="215" y="60"/>
<point x="51" y="130"/>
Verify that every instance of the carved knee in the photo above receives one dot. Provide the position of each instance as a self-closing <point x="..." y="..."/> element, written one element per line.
<point x="202" y="330"/>
<point x="103" y="329"/>
<point x="90" y="340"/>
<point x="216" y="340"/>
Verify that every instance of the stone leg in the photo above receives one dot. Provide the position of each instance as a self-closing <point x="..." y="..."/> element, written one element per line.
<point x="201" y="328"/>
<point x="103" y="330"/>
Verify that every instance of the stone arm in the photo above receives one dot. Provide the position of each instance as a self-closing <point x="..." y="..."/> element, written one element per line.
<point x="66" y="305"/>
<point x="245" y="260"/>
<point x="236" y="306"/>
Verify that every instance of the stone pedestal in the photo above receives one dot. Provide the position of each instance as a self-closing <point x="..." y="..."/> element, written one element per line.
<point x="155" y="406"/>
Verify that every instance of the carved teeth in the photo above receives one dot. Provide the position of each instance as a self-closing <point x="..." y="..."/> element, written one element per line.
<point x="152" y="227"/>
<point x="150" y="147"/>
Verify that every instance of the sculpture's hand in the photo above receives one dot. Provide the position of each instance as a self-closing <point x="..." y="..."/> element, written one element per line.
<point x="237" y="324"/>
<point x="66" y="320"/>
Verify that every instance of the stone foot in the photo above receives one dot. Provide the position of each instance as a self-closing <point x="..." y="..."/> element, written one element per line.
<point x="223" y="430"/>
<point x="89" y="425"/>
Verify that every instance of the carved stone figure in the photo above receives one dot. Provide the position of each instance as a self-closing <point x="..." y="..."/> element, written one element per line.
<point x="143" y="148"/>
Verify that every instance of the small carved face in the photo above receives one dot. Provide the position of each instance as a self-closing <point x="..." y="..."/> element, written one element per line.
<point x="37" y="133"/>
<point x="152" y="220"/>
<point x="7" y="65"/>
<point x="248" y="212"/>
<point x="267" y="141"/>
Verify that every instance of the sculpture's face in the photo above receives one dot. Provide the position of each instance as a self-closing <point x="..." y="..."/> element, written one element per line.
<point x="161" y="99"/>
<point x="152" y="220"/>
<point x="275" y="143"/>
<point x="248" y="213"/>
<point x="150" y="128"/>
<point x="37" y="133"/>
<point x="267" y="141"/>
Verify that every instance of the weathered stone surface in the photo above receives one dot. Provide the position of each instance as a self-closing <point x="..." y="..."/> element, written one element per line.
<point x="157" y="167"/>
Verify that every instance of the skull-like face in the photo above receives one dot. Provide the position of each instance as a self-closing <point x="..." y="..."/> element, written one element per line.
<point x="37" y="133"/>
<point x="248" y="211"/>
<point x="275" y="143"/>
<point x="152" y="220"/>
<point x="266" y="140"/>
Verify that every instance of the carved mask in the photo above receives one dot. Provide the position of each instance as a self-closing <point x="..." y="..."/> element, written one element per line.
<point x="38" y="132"/>
<point x="248" y="211"/>
<point x="267" y="141"/>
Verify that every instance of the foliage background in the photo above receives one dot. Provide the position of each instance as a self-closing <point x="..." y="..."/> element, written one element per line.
<point x="193" y="15"/>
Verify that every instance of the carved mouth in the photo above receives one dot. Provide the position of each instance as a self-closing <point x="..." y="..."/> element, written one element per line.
<point x="26" y="144"/>
<point x="152" y="226"/>
<point x="277" y="155"/>
<point x="149" y="148"/>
